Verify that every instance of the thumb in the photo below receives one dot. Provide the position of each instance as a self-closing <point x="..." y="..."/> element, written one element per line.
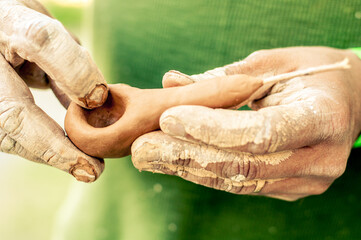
<point x="259" y="64"/>
<point x="27" y="131"/>
<point x="175" y="78"/>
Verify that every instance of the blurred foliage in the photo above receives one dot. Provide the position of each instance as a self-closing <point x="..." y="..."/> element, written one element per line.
<point x="70" y="17"/>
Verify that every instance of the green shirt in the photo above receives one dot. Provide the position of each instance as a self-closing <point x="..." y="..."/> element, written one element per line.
<point x="136" y="42"/>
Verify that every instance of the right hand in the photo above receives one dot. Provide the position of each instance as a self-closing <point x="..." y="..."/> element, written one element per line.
<point x="294" y="143"/>
<point x="37" y="51"/>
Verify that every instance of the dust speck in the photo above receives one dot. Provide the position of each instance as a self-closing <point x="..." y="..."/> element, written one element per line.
<point x="272" y="230"/>
<point x="358" y="15"/>
<point x="172" y="227"/>
<point x="157" y="188"/>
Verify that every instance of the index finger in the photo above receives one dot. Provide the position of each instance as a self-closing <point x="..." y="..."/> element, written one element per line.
<point x="40" y="39"/>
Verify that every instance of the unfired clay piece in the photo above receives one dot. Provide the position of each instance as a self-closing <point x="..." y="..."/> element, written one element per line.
<point x="130" y="112"/>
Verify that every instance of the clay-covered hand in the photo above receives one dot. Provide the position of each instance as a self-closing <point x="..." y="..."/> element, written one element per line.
<point x="293" y="143"/>
<point x="36" y="50"/>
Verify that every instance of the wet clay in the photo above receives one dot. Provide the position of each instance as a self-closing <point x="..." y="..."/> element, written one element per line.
<point x="130" y="112"/>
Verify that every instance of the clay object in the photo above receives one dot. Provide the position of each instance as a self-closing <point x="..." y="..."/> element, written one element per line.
<point x="129" y="112"/>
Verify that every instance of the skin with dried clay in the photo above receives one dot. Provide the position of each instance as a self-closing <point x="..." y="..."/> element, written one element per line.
<point x="37" y="51"/>
<point x="270" y="151"/>
<point x="109" y="131"/>
<point x="294" y="143"/>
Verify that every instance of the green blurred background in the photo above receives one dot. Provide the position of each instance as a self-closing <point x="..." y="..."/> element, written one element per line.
<point x="136" y="42"/>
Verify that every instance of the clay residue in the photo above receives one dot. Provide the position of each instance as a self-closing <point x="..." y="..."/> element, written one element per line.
<point x="110" y="112"/>
<point x="202" y="175"/>
<point x="270" y="129"/>
<point x="83" y="171"/>
<point x="96" y="97"/>
<point x="158" y="152"/>
<point x="222" y="128"/>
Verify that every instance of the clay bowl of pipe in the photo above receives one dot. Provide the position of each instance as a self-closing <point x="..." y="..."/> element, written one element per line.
<point x="110" y="130"/>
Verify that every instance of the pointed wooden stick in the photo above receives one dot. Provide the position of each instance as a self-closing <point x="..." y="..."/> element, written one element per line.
<point x="270" y="81"/>
<point x="344" y="64"/>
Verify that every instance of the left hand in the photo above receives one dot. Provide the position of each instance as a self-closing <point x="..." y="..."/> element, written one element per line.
<point x="293" y="144"/>
<point x="37" y="51"/>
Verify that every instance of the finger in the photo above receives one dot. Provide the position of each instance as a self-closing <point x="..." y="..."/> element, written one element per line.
<point x="40" y="39"/>
<point x="267" y="130"/>
<point x="39" y="137"/>
<point x="241" y="173"/>
<point x="156" y="150"/>
<point x="159" y="152"/>
<point x="265" y="63"/>
<point x="175" y="78"/>
<point x="30" y="72"/>
<point x="34" y="134"/>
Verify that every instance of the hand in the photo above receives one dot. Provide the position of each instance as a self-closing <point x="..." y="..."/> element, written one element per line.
<point x="37" y="50"/>
<point x="293" y="144"/>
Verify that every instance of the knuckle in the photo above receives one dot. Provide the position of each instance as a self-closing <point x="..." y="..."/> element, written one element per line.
<point x="343" y="120"/>
<point x="340" y="117"/>
<point x="12" y="117"/>
<point x="329" y="167"/>
<point x="266" y="139"/>
<point x="183" y="162"/>
<point x="50" y="157"/>
<point x="41" y="31"/>
<point x="12" y="57"/>
<point x="7" y="144"/>
<point x="251" y="170"/>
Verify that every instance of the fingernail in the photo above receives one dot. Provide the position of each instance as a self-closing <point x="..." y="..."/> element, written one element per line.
<point x="96" y="97"/>
<point x="172" y="126"/>
<point x="177" y="74"/>
<point x="175" y="78"/>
